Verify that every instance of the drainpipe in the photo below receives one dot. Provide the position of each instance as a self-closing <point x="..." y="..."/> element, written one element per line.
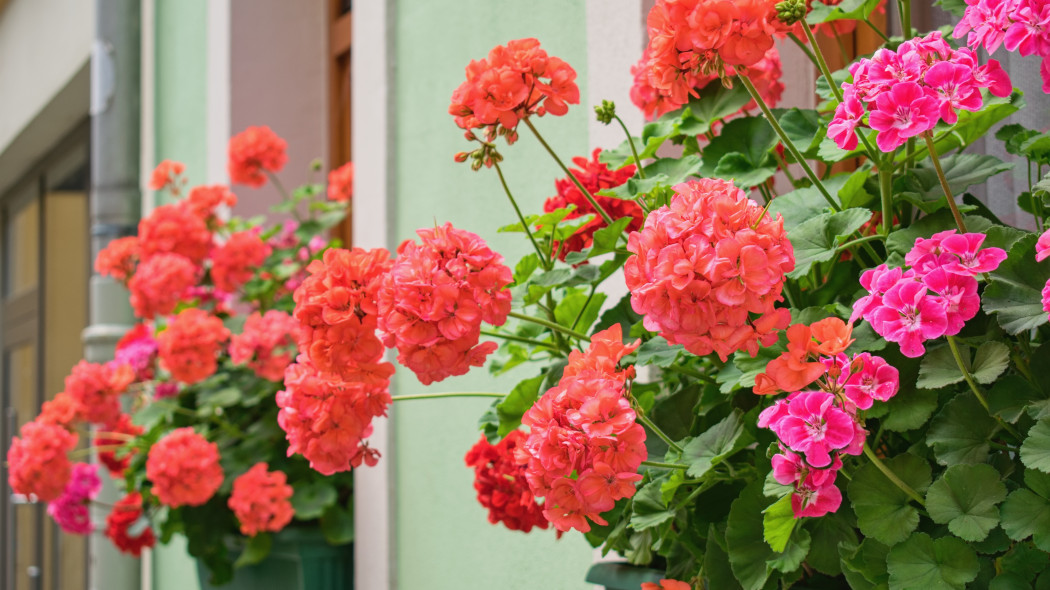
<point x="114" y="212"/>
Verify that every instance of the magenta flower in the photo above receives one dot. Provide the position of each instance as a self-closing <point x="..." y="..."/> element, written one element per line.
<point x="874" y="379"/>
<point x="814" y="427"/>
<point x="985" y="23"/>
<point x="1042" y="247"/>
<point x="848" y="115"/>
<point x="1028" y="33"/>
<point x="70" y="510"/>
<point x="815" y="502"/>
<point x="909" y="317"/>
<point x="955" y="88"/>
<point x="905" y="111"/>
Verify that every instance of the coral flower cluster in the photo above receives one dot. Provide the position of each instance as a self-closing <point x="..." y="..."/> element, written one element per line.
<point x="501" y="484"/>
<point x="584" y="445"/>
<point x="339" y="383"/>
<point x="96" y="389"/>
<point x="693" y="39"/>
<point x="1018" y="25"/>
<point x="594" y="176"/>
<point x="235" y="261"/>
<point x="260" y="500"/>
<point x="905" y="93"/>
<point x="126" y="514"/>
<point x="515" y="81"/>
<point x="188" y="347"/>
<point x="765" y="74"/>
<point x="38" y="464"/>
<point x="708" y="270"/>
<point x="184" y="468"/>
<point x="816" y="426"/>
<point x="935" y="296"/>
<point x="71" y="509"/>
<point x="436" y="296"/>
<point x="341" y="183"/>
<point x="267" y="344"/>
<point x="253" y="153"/>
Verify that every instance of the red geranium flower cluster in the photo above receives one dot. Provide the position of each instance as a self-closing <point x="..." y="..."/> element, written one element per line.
<point x="160" y="282"/>
<point x="103" y="441"/>
<point x="501" y="484"/>
<point x="62" y="410"/>
<point x="118" y="258"/>
<point x="708" y="270"/>
<point x="905" y="93"/>
<point x="96" y="389"/>
<point x="341" y="183"/>
<point x="1018" y="25"/>
<point x="37" y="461"/>
<point x="184" y="468"/>
<point x="174" y="229"/>
<point x="326" y="418"/>
<point x="765" y="74"/>
<point x="251" y="152"/>
<point x="584" y="446"/>
<point x="188" y="346"/>
<point x="126" y="513"/>
<point x="235" y="261"/>
<point x="435" y="297"/>
<point x="696" y="38"/>
<point x="935" y="297"/>
<point x="260" y="500"/>
<point x="816" y="427"/>
<point x="594" y="176"/>
<point x="267" y="344"/>
<point x="512" y="83"/>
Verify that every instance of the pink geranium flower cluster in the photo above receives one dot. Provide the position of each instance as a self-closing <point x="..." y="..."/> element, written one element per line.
<point x="436" y="296"/>
<point x="1042" y="251"/>
<point x="584" y="446"/>
<point x="38" y="463"/>
<point x="906" y="92"/>
<point x="97" y="388"/>
<point x="189" y="346"/>
<point x="816" y="426"/>
<point x="693" y="39"/>
<point x="138" y="349"/>
<point x="514" y="82"/>
<point x="934" y="297"/>
<point x="267" y="344"/>
<point x="1019" y="25"/>
<point x="765" y="74"/>
<point x="339" y="383"/>
<point x="184" y="468"/>
<point x="71" y="510"/>
<point x="594" y="176"/>
<point x="235" y="261"/>
<point x="260" y="500"/>
<point x="708" y="270"/>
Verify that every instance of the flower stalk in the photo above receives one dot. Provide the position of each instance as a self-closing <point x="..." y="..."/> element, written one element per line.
<point x="928" y="136"/>
<point x="890" y="475"/>
<point x="586" y="193"/>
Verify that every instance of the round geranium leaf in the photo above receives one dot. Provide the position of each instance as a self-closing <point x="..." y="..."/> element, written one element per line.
<point x="884" y="512"/>
<point x="966" y="498"/>
<point x="960" y="432"/>
<point x="1026" y="514"/>
<point x="1035" y="451"/>
<point x="922" y="562"/>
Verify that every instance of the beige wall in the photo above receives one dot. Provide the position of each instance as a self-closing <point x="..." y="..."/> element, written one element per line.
<point x="278" y="57"/>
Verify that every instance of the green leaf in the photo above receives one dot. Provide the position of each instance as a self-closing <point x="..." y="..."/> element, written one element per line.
<point x="649" y="508"/>
<point x="1009" y="581"/>
<point x="657" y="351"/>
<point x="153" y="414"/>
<point x="311" y="499"/>
<point x="961" y="171"/>
<point x="802" y="126"/>
<point x="816" y="240"/>
<point x="909" y="411"/>
<point x="1035" y="451"/>
<point x="337" y="525"/>
<point x="750" y="137"/>
<point x="255" y="550"/>
<point x="884" y="512"/>
<point x="847" y="9"/>
<point x="828" y="533"/>
<point x="517" y="402"/>
<point x="1027" y="514"/>
<point x="868" y="559"/>
<point x="1009" y="397"/>
<point x="746" y="174"/>
<point x="966" y="498"/>
<point x="992" y="360"/>
<point x="1013" y="136"/>
<point x="778" y="521"/>
<point x="921" y="562"/>
<point x="525" y="267"/>
<point x="716" y="444"/>
<point x="750" y="557"/>
<point x="960" y="432"/>
<point x="1025" y="561"/>
<point x="573" y="307"/>
<point x="716" y="564"/>
<point x="715" y="102"/>
<point x="938" y="368"/>
<point x="1015" y="293"/>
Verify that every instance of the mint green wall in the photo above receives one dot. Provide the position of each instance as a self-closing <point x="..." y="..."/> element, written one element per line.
<point x="443" y="539"/>
<point x="180" y="103"/>
<point x="180" y="88"/>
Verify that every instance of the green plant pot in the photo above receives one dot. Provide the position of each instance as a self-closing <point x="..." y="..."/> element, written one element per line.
<point x="622" y="576"/>
<point x="299" y="560"/>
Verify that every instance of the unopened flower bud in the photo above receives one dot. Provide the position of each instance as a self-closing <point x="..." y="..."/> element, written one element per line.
<point x="790" y="12"/>
<point x="462" y="157"/>
<point x="605" y="111"/>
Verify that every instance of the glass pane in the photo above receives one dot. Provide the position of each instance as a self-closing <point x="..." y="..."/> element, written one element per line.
<point x="66" y="278"/>
<point x="23" y="249"/>
<point x="21" y="382"/>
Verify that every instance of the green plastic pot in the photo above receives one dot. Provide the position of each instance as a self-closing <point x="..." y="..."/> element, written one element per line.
<point x="299" y="560"/>
<point x="622" y="576"/>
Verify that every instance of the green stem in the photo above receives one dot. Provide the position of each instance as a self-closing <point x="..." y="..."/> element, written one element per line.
<point x="285" y="196"/>
<point x="512" y="338"/>
<point x="630" y="142"/>
<point x="784" y="168"/>
<point x="804" y="49"/>
<point x="528" y="231"/>
<point x="886" y="190"/>
<point x="838" y="41"/>
<point x="660" y="465"/>
<point x="401" y="398"/>
<point x="549" y="324"/>
<point x="787" y="142"/>
<point x="858" y="242"/>
<point x="579" y="315"/>
<point x="890" y="475"/>
<point x="586" y="193"/>
<point x="944" y="182"/>
<point x="877" y="30"/>
<point x="905" y="8"/>
<point x="976" y="389"/>
<point x="691" y="373"/>
<point x="656" y="429"/>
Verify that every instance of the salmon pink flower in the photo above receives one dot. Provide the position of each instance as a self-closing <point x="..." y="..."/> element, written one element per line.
<point x="174" y="229"/>
<point x="184" y="468"/>
<point x="341" y="183"/>
<point x="188" y="347"/>
<point x="118" y="258"/>
<point x="160" y="283"/>
<point x="96" y="389"/>
<point x="235" y="261"/>
<point x="501" y="484"/>
<point x="252" y="153"/>
<point x="267" y="344"/>
<point x="38" y="464"/>
<point x="61" y="410"/>
<point x="166" y="174"/>
<point x="204" y="200"/>
<point x="871" y="378"/>
<point x="260" y="500"/>
<point x="126" y="516"/>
